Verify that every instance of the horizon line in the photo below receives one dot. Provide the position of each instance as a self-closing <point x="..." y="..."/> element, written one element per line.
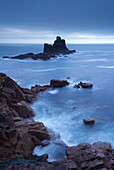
<point x="52" y="43"/>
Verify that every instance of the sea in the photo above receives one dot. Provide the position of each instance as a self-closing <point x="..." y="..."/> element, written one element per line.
<point x="62" y="110"/>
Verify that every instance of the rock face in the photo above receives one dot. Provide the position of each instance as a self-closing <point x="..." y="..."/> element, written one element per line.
<point x="18" y="136"/>
<point x="23" y="109"/>
<point x="98" y="156"/>
<point x="50" y="51"/>
<point x="58" y="83"/>
<point x="59" y="47"/>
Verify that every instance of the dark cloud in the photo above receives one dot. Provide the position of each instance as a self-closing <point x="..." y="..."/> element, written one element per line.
<point x="85" y="16"/>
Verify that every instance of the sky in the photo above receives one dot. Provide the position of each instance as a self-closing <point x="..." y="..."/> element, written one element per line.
<point x="39" y="21"/>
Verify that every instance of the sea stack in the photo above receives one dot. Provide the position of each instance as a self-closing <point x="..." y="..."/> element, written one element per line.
<point x="49" y="51"/>
<point x="59" y="47"/>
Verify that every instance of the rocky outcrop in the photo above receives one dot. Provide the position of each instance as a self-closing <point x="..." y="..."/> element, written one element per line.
<point x="86" y="156"/>
<point x="58" y="83"/>
<point x="59" y="47"/>
<point x="19" y="136"/>
<point x="38" y="88"/>
<point x="13" y="98"/>
<point x="42" y="56"/>
<point x="89" y="121"/>
<point x="13" y="93"/>
<point x="98" y="156"/>
<point x="49" y="51"/>
<point x="83" y="85"/>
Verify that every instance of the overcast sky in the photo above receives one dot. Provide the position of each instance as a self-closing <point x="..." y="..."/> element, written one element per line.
<point x="38" y="21"/>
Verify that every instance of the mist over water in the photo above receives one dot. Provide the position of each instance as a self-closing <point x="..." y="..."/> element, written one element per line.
<point x="63" y="109"/>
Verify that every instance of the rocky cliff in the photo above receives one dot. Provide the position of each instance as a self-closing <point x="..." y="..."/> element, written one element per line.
<point x="19" y="134"/>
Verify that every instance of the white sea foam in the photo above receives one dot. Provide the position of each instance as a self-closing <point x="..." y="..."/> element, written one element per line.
<point x="53" y="91"/>
<point x="105" y="67"/>
<point x="95" y="60"/>
<point x="53" y="69"/>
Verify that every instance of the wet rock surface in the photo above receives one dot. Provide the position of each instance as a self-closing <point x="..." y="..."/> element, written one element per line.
<point x="83" y="85"/>
<point x="19" y="134"/>
<point x="98" y="156"/>
<point x="58" y="83"/>
<point x="49" y="51"/>
<point x="89" y="121"/>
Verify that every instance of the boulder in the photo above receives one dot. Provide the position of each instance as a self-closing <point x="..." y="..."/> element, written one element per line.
<point x="77" y="86"/>
<point x="68" y="77"/>
<point x="85" y="85"/>
<point x="89" y="121"/>
<point x="38" y="88"/>
<point x="58" y="83"/>
<point x="102" y="145"/>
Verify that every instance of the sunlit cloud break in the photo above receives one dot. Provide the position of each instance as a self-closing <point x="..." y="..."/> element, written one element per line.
<point x="12" y="35"/>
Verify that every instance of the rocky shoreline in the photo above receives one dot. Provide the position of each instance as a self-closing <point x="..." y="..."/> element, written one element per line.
<point x="19" y="134"/>
<point x="50" y="51"/>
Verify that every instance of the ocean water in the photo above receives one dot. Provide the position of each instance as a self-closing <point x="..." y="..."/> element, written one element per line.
<point x="63" y="109"/>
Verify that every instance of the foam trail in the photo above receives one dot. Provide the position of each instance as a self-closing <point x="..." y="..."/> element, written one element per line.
<point x="53" y="91"/>
<point x="105" y="67"/>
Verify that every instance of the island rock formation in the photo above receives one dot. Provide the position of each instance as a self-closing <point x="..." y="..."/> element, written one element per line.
<point x="59" y="47"/>
<point x="50" y="51"/>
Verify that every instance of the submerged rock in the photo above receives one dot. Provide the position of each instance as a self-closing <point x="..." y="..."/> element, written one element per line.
<point x="86" y="85"/>
<point x="77" y="86"/>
